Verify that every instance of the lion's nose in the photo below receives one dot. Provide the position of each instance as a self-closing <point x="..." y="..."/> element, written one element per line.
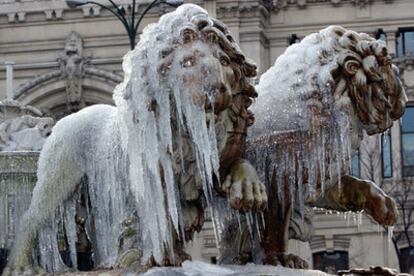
<point x="222" y="97"/>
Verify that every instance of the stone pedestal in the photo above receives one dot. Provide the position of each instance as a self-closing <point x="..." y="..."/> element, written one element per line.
<point x="17" y="180"/>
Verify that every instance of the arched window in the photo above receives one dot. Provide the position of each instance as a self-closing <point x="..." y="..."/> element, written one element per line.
<point x="331" y="262"/>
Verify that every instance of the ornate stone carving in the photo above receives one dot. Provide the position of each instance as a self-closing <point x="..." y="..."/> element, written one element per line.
<point x="21" y="128"/>
<point x="362" y="3"/>
<point x="277" y="5"/>
<point x="39" y="80"/>
<point x="72" y="66"/>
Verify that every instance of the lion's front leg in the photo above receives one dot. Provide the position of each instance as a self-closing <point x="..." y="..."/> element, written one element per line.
<point x="244" y="189"/>
<point x="356" y="195"/>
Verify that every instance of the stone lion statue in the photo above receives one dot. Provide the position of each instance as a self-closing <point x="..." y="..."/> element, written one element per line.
<point x="22" y="128"/>
<point x="139" y="175"/>
<point x="313" y="105"/>
<point x="24" y="133"/>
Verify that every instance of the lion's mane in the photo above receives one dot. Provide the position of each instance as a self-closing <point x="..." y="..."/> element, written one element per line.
<point x="333" y="65"/>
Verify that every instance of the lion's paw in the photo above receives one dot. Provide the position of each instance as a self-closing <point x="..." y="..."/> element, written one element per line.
<point x="381" y="207"/>
<point x="287" y="260"/>
<point x="244" y="189"/>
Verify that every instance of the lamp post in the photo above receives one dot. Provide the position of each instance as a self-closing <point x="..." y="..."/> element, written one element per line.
<point x="129" y="21"/>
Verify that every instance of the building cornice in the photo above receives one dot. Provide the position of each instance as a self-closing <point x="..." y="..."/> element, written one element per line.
<point x="18" y="11"/>
<point x="242" y="8"/>
<point x="277" y="5"/>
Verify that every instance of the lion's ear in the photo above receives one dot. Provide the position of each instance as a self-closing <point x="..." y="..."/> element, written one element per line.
<point x="188" y="34"/>
<point x="363" y="48"/>
<point x="349" y="40"/>
<point x="202" y="21"/>
<point x="379" y="48"/>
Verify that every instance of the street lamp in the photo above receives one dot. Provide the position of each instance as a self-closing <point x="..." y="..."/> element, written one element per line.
<point x="130" y="25"/>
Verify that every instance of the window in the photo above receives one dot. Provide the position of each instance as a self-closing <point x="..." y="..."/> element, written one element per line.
<point x="405" y="42"/>
<point x="407" y="140"/>
<point x="386" y="155"/>
<point x="355" y="167"/>
<point x="331" y="262"/>
<point x="407" y="260"/>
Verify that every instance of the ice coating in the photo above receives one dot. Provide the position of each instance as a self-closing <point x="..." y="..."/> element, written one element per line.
<point x="285" y="88"/>
<point x="201" y="268"/>
<point x="115" y="162"/>
<point x="147" y="134"/>
<point x="299" y="117"/>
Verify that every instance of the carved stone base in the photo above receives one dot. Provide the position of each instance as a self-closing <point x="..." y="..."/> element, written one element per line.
<point x="287" y="260"/>
<point x="372" y="271"/>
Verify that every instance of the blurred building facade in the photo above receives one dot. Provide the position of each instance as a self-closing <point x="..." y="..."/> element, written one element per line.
<point x="66" y="59"/>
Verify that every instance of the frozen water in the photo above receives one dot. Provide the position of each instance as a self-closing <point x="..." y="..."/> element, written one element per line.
<point x="197" y="268"/>
<point x="128" y="157"/>
<point x="302" y="127"/>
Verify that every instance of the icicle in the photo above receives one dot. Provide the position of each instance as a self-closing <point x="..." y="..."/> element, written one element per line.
<point x="70" y="229"/>
<point x="238" y="220"/>
<point x="360" y="218"/>
<point x="256" y="223"/>
<point x="390" y="231"/>
<point x="322" y="160"/>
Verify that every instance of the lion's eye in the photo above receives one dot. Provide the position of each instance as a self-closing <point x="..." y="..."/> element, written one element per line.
<point x="224" y="61"/>
<point x="188" y="62"/>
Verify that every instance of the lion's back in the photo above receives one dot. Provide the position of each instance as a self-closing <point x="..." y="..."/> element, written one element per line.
<point x="78" y="135"/>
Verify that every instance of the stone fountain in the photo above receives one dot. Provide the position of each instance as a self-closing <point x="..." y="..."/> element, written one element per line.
<point x="129" y="184"/>
<point x="23" y="131"/>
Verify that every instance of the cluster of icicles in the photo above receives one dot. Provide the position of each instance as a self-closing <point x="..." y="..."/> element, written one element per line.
<point x="144" y="147"/>
<point x="150" y="146"/>
<point x="308" y="152"/>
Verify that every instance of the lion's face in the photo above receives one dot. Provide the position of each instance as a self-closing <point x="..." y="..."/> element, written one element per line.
<point x="206" y="74"/>
<point x="370" y="79"/>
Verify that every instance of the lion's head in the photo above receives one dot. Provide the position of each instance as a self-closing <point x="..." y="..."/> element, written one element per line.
<point x="184" y="72"/>
<point x="367" y="75"/>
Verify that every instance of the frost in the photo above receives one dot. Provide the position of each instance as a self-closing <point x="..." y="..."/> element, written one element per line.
<point x="125" y="160"/>
<point x="301" y="128"/>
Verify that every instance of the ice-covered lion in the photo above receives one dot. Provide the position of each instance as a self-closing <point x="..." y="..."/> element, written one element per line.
<point x="312" y="107"/>
<point x="133" y="180"/>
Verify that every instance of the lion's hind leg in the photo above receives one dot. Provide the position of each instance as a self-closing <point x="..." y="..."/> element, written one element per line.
<point x="59" y="174"/>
